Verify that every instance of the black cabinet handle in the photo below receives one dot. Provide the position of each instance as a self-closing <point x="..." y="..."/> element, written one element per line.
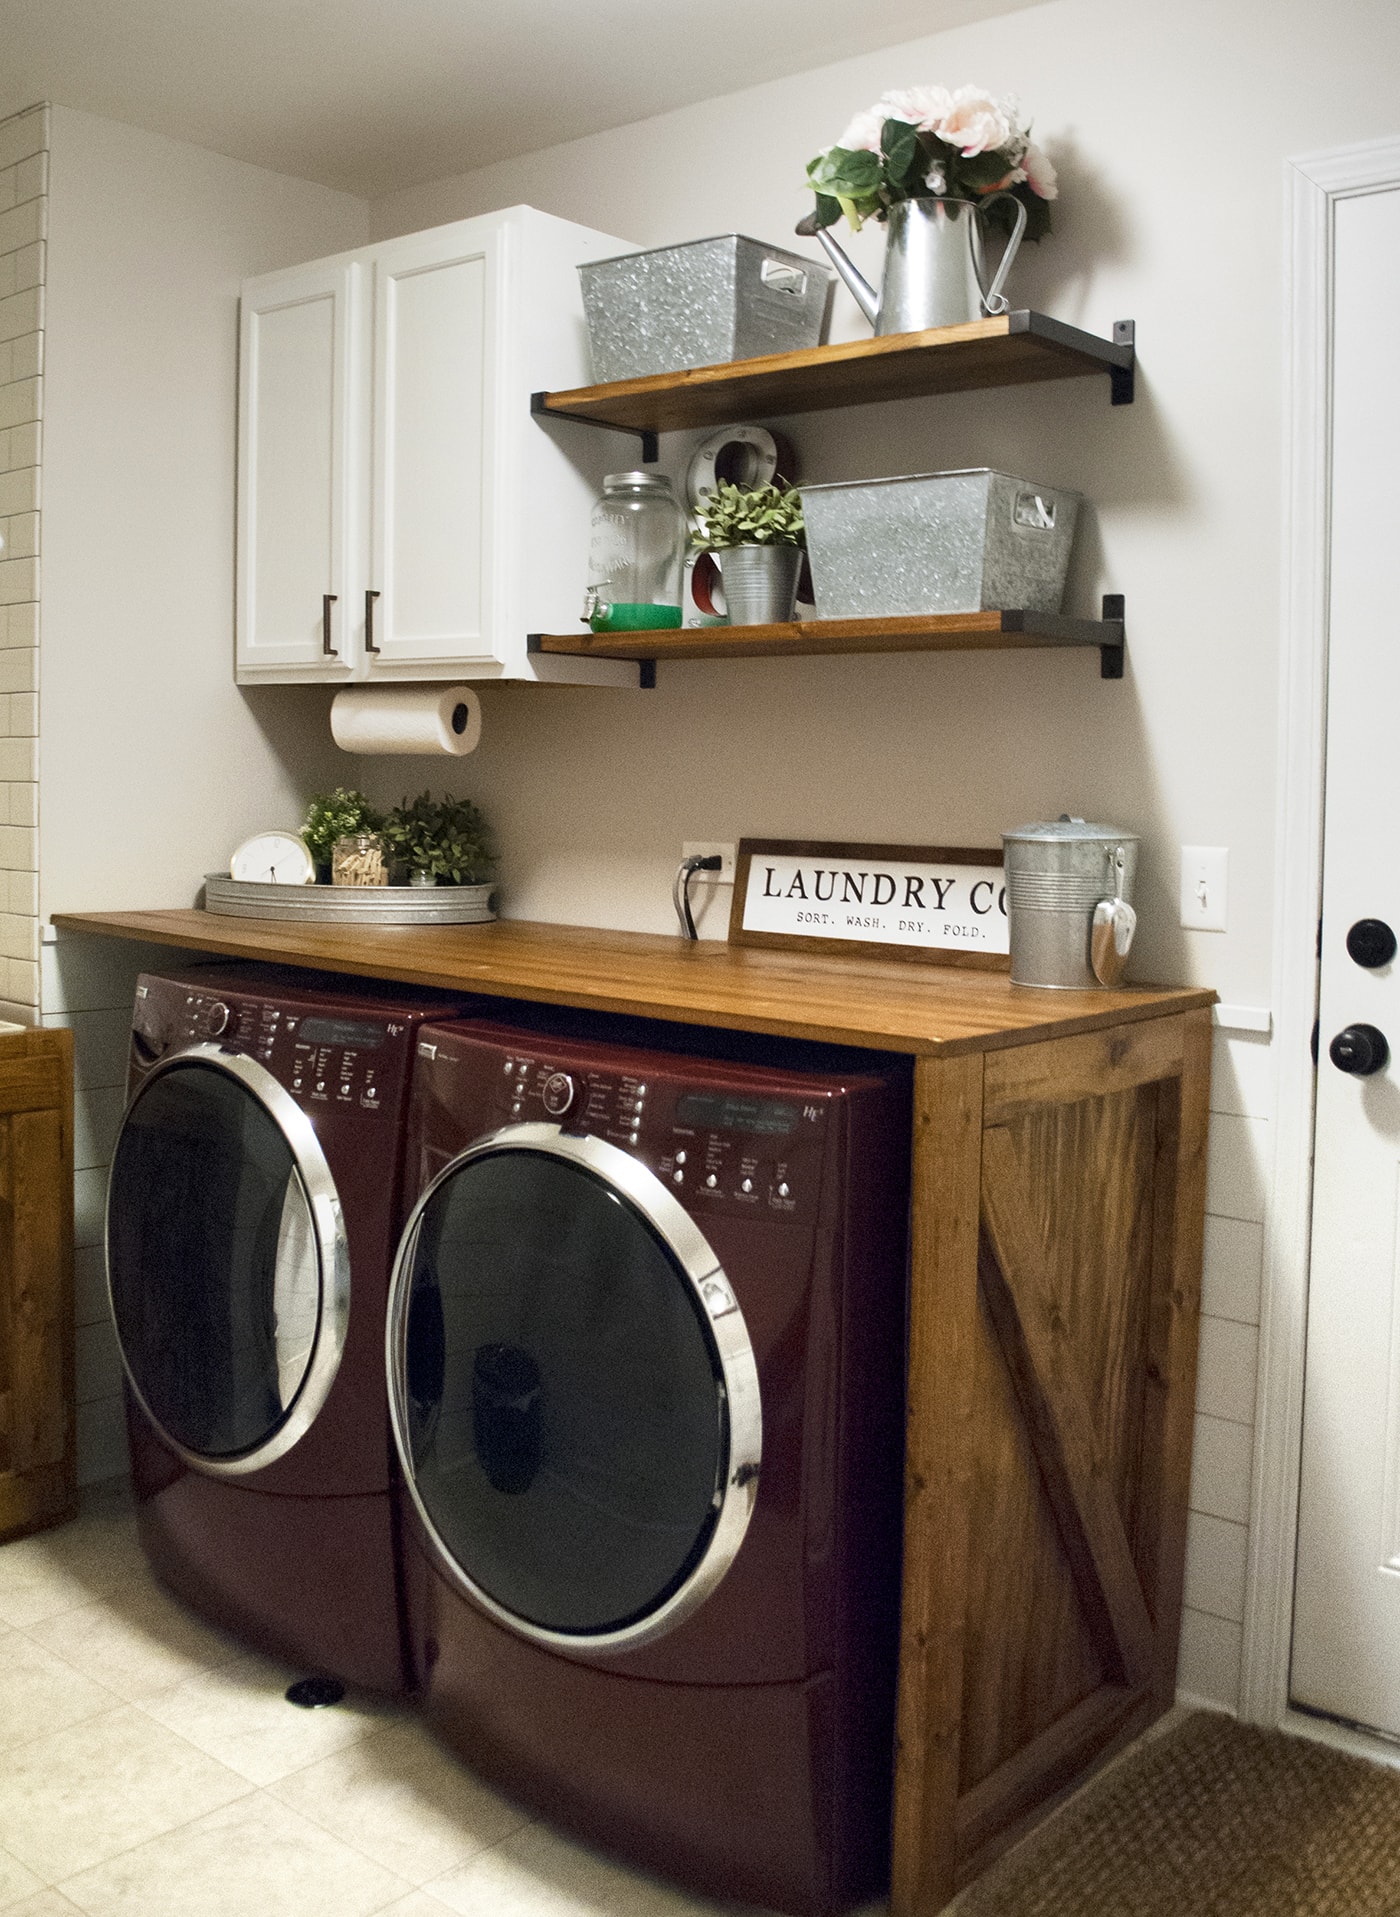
<point x="1361" y="1050"/>
<point x="327" y="601"/>
<point x="370" y="598"/>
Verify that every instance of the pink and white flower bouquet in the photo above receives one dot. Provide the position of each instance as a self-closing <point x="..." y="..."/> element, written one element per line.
<point x="917" y="142"/>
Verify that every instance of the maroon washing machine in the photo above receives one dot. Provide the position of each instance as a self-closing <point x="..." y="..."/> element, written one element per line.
<point x="646" y="1361"/>
<point x="254" y="1205"/>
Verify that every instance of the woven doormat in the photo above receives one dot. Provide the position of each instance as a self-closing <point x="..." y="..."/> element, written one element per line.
<point x="1212" y="1819"/>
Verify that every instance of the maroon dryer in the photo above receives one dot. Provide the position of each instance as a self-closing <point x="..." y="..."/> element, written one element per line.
<point x="252" y="1215"/>
<point x="646" y="1375"/>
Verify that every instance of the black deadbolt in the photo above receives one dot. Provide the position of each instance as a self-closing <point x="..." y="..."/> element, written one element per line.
<point x="1360" y="1050"/>
<point x="1371" y="942"/>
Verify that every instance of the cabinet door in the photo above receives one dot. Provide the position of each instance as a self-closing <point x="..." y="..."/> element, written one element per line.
<point x="297" y="490"/>
<point x="37" y="1482"/>
<point x="435" y="442"/>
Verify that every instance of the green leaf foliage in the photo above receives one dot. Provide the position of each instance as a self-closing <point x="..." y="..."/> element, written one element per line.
<point x="447" y="838"/>
<point x="866" y="185"/>
<point x="335" y="815"/>
<point x="749" y="516"/>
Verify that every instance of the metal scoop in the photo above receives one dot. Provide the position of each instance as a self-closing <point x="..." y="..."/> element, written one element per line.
<point x="1111" y="933"/>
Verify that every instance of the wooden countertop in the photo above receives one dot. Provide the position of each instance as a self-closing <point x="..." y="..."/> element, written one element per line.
<point x="890" y="1005"/>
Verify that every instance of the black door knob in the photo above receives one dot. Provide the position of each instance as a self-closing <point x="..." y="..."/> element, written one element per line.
<point x="1371" y="942"/>
<point x="1360" y="1050"/>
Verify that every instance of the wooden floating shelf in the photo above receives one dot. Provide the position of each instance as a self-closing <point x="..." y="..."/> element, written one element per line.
<point x="1016" y="349"/>
<point x="929" y="632"/>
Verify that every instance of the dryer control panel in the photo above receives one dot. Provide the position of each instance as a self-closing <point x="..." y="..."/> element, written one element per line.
<point x="720" y="1145"/>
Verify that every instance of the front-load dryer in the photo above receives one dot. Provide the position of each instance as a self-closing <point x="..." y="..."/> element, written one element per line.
<point x="646" y="1375"/>
<point x="253" y="1209"/>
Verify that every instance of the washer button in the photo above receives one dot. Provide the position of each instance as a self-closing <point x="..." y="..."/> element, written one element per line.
<point x="680" y="1158"/>
<point x="678" y="1177"/>
<point x="784" y="1190"/>
<point x="746" y="1184"/>
<point x="711" y="1182"/>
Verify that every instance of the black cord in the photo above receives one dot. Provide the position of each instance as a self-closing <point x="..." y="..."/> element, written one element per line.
<point x="680" y="890"/>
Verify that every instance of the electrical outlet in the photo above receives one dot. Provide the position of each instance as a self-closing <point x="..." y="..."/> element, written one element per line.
<point x="1204" y="870"/>
<point x="706" y="849"/>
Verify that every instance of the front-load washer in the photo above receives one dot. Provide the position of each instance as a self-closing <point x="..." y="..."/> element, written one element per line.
<point x="646" y="1371"/>
<point x="252" y="1213"/>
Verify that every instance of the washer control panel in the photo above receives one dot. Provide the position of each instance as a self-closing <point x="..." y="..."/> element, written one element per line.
<point x="324" y="1060"/>
<point x="716" y="1147"/>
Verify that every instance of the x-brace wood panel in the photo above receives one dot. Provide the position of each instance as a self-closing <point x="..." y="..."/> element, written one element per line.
<point x="1036" y="1345"/>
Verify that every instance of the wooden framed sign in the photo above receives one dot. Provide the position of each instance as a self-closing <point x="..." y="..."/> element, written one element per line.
<point x="945" y="905"/>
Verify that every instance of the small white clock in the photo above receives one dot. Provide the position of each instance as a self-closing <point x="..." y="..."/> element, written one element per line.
<point x="273" y="858"/>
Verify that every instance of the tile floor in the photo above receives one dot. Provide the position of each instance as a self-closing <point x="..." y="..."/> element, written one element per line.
<point x="150" y="1767"/>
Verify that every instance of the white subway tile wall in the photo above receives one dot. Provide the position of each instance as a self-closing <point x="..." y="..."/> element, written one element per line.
<point x="24" y="170"/>
<point x="1217" y="1536"/>
<point x="89" y="984"/>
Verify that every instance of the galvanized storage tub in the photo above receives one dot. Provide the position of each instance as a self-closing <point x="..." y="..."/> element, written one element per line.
<point x="701" y="304"/>
<point x="973" y="540"/>
<point x="1056" y="873"/>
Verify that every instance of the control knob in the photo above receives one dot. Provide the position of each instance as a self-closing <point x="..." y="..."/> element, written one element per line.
<point x="558" y="1094"/>
<point x="213" y="1019"/>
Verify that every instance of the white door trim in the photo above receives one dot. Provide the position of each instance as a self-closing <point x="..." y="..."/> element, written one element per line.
<point x="1314" y="185"/>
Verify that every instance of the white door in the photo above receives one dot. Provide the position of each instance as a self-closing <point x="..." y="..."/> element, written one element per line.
<point x="428" y="596"/>
<point x="1346" y="1643"/>
<point x="297" y="484"/>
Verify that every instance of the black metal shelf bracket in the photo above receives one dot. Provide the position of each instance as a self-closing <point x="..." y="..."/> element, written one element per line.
<point x="1111" y="653"/>
<point x="646" y="668"/>
<point x="650" y="445"/>
<point x="1122" y="379"/>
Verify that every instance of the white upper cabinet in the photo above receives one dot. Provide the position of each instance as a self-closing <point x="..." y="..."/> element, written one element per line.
<point x="401" y="514"/>
<point x="296" y="539"/>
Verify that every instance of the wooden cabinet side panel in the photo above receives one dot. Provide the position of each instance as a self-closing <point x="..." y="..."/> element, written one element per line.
<point x="1173" y="1338"/>
<point x="37" y="1425"/>
<point x="943" y="1330"/>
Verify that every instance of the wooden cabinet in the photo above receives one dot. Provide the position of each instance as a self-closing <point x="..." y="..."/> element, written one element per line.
<point x="400" y="513"/>
<point x="37" y="1481"/>
<point x="1058" y="1204"/>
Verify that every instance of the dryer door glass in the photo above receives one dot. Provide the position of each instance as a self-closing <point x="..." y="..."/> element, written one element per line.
<point x="563" y="1395"/>
<point x="214" y="1261"/>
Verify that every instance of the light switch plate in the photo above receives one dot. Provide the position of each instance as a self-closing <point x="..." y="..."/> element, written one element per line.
<point x="1204" y="873"/>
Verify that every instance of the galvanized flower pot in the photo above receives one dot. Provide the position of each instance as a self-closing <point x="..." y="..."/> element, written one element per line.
<point x="760" y="583"/>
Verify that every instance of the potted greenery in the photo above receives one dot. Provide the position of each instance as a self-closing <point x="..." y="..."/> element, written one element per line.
<point x="757" y="536"/>
<point x="336" y="815"/>
<point x="438" y="842"/>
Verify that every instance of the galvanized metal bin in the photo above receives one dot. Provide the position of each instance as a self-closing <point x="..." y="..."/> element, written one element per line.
<point x="971" y="540"/>
<point x="701" y="304"/>
<point x="1056" y="873"/>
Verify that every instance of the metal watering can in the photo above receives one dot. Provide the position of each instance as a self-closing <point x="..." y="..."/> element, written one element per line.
<point x="935" y="273"/>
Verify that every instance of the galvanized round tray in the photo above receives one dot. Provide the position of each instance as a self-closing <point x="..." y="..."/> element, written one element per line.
<point x="350" y="904"/>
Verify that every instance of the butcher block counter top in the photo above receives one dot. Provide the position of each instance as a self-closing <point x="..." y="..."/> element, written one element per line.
<point x="889" y="1004"/>
<point x="1057" y="1152"/>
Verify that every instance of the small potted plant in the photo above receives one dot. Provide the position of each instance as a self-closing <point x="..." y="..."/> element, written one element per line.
<point x="439" y="842"/>
<point x="333" y="816"/>
<point x="757" y="536"/>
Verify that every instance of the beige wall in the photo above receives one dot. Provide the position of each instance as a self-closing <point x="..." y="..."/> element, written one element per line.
<point x="1170" y="126"/>
<point x="153" y="764"/>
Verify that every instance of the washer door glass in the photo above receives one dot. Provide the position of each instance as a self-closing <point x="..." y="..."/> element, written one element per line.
<point x="213" y="1260"/>
<point x="562" y="1396"/>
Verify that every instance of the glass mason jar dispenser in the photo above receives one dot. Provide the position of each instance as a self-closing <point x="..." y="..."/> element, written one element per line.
<point x="635" y="555"/>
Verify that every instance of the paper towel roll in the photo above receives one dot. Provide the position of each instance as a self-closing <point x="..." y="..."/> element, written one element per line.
<point x="406" y="719"/>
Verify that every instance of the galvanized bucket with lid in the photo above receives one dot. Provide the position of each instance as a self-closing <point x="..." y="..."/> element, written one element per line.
<point x="1069" y="888"/>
